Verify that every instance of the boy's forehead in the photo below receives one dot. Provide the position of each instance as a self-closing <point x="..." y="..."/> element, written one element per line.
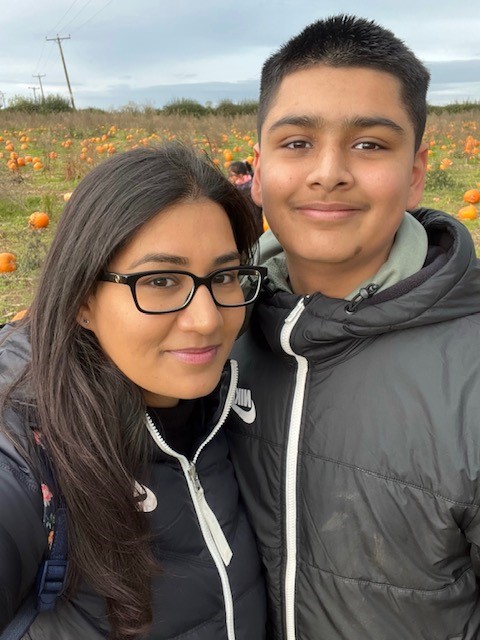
<point x="332" y="88"/>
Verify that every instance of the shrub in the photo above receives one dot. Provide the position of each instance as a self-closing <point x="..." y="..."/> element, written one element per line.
<point x="185" y="107"/>
<point x="53" y="103"/>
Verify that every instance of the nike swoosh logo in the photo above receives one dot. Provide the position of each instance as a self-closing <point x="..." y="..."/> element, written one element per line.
<point x="146" y="499"/>
<point x="247" y="415"/>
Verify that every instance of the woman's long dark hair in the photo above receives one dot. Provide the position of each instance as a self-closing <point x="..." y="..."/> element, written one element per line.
<point x="90" y="415"/>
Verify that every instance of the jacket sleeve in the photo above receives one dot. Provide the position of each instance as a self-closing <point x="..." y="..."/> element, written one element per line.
<point x="23" y="539"/>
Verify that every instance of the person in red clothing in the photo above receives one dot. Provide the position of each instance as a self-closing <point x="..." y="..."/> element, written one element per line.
<point x="240" y="173"/>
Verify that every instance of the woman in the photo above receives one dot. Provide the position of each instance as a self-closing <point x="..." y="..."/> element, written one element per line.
<point x="125" y="394"/>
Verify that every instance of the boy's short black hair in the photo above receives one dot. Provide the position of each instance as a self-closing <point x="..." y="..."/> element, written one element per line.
<point x="348" y="41"/>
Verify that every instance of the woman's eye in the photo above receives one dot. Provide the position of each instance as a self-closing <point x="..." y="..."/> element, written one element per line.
<point x="224" y="278"/>
<point x="161" y="282"/>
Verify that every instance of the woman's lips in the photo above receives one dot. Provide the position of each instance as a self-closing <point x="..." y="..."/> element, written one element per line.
<point x="195" y="356"/>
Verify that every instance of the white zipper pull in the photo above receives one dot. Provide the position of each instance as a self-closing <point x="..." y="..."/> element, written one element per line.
<point x="297" y="310"/>
<point x="213" y="525"/>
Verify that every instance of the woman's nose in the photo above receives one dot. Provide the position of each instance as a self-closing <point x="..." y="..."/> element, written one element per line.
<point x="202" y="314"/>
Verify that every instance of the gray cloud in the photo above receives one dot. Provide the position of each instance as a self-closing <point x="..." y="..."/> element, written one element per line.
<point x="151" y="52"/>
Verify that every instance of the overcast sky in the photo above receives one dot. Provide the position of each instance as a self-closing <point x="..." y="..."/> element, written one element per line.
<point x="155" y="51"/>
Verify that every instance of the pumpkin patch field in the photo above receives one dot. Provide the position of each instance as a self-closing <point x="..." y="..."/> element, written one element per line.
<point x="42" y="158"/>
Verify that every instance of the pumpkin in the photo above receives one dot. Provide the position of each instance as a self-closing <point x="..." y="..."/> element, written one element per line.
<point x="19" y="315"/>
<point x="37" y="166"/>
<point x="467" y="213"/>
<point x="38" y="220"/>
<point x="7" y="262"/>
<point x="472" y="196"/>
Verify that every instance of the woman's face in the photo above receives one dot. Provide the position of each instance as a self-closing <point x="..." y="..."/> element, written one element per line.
<point x="178" y="355"/>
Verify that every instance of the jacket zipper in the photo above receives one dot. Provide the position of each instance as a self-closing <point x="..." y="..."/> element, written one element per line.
<point x="291" y="469"/>
<point x="213" y="535"/>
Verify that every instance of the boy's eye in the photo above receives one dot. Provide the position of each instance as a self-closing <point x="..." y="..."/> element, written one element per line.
<point x="367" y="145"/>
<point x="298" y="144"/>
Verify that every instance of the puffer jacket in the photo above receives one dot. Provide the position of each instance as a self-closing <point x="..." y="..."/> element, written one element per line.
<point x="200" y="595"/>
<point x="360" y="422"/>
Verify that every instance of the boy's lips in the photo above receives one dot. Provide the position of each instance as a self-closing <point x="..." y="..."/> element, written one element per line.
<point x="328" y="210"/>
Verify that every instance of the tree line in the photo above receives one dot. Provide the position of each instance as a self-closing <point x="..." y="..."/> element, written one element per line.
<point x="55" y="103"/>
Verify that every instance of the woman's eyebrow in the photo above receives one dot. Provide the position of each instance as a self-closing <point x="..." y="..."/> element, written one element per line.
<point x="226" y="258"/>
<point x="181" y="261"/>
<point x="161" y="258"/>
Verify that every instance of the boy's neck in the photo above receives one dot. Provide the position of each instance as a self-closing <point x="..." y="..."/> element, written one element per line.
<point x="332" y="280"/>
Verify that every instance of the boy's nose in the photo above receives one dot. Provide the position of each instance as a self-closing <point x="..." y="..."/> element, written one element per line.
<point x="330" y="170"/>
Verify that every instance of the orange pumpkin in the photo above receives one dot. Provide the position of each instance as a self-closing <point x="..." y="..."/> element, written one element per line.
<point x="38" y="220"/>
<point x="7" y="262"/>
<point x="467" y="213"/>
<point x="472" y="196"/>
<point x="37" y="166"/>
<point x="19" y="315"/>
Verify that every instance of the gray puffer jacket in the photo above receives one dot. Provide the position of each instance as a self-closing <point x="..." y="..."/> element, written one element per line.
<point x="361" y="424"/>
<point x="201" y="594"/>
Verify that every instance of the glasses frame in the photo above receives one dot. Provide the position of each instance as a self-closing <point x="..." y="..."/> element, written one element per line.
<point x="130" y="279"/>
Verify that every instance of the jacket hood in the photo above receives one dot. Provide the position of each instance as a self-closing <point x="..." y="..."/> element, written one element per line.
<point x="446" y="288"/>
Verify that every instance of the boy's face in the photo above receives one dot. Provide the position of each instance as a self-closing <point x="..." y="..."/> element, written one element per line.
<point x="335" y="171"/>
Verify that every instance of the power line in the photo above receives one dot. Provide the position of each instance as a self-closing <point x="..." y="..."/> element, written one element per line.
<point x="37" y="66"/>
<point x="94" y="15"/>
<point x="77" y="14"/>
<point x="58" y="40"/>
<point x="66" y="12"/>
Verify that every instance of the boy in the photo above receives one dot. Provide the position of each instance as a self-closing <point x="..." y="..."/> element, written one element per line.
<point x="355" y="431"/>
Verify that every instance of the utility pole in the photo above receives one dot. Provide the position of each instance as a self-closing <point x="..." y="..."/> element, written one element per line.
<point x="34" y="93"/>
<point x="40" y="82"/>
<point x="58" y="40"/>
<point x="2" y="98"/>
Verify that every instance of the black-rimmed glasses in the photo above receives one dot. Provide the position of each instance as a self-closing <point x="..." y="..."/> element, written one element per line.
<point x="167" y="291"/>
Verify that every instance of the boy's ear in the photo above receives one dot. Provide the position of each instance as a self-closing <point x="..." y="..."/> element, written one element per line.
<point x="256" y="190"/>
<point x="419" y="174"/>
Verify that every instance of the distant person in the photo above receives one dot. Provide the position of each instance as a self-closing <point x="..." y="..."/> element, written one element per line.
<point x="240" y="173"/>
<point x="356" y="435"/>
<point x="123" y="392"/>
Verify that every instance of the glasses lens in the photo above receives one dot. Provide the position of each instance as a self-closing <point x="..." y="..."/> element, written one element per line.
<point x="236" y="287"/>
<point x="163" y="291"/>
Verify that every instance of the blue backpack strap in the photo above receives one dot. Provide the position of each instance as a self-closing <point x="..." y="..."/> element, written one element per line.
<point x="52" y="572"/>
<point x="19" y="626"/>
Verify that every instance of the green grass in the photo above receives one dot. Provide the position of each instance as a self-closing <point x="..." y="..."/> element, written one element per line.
<point x="26" y="191"/>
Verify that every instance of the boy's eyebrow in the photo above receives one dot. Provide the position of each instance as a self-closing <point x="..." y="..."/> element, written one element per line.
<point x="359" y="122"/>
<point x="180" y="261"/>
<point x="364" y="122"/>
<point x="305" y="122"/>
